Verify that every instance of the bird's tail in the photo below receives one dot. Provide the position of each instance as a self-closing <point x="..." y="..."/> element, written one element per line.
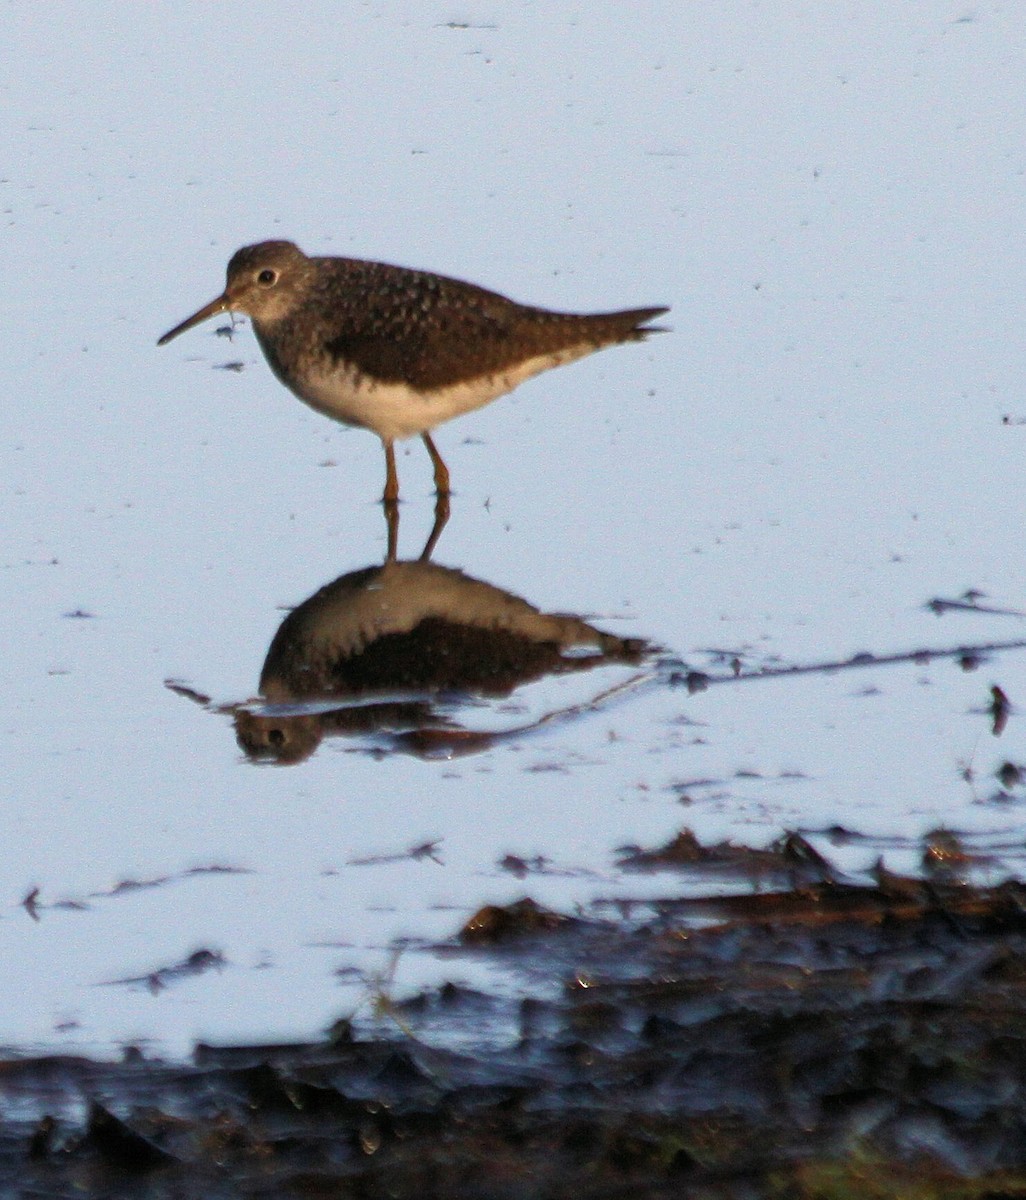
<point x="628" y="325"/>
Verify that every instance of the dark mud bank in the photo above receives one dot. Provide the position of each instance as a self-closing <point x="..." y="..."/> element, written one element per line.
<point x="823" y="1039"/>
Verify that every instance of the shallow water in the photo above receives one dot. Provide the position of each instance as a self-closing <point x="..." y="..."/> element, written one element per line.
<point x="828" y="440"/>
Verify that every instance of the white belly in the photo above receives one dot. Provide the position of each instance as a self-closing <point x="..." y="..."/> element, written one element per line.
<point x="394" y="410"/>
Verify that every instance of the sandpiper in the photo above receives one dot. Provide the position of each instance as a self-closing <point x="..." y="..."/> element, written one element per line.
<point x="399" y="351"/>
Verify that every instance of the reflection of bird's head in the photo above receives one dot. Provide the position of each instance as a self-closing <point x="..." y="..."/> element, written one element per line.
<point x="275" y="738"/>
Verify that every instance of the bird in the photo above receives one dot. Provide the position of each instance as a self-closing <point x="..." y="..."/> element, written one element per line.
<point x="399" y="351"/>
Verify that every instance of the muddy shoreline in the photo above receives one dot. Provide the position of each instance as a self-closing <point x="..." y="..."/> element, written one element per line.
<point x="819" y="1039"/>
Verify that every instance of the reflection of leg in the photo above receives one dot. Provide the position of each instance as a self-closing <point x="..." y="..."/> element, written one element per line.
<point x="441" y="470"/>
<point x="441" y="516"/>
<point x="392" y="521"/>
<point x="391" y="478"/>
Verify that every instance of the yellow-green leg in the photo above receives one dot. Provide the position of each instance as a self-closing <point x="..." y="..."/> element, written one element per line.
<point x="441" y="470"/>
<point x="391" y="495"/>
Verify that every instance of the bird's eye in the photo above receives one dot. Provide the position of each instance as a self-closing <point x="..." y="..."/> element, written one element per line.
<point x="267" y="277"/>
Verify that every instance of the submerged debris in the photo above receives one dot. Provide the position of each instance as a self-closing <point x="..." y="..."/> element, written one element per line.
<point x="498" y="923"/>
<point x="1000" y="708"/>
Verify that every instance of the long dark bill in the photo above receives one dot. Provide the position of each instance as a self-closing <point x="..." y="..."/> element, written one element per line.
<point x="219" y="305"/>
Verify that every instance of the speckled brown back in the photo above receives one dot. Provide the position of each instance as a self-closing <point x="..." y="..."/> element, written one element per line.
<point x="402" y="325"/>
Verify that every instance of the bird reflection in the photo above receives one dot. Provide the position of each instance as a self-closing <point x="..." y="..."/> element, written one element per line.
<point x="397" y="650"/>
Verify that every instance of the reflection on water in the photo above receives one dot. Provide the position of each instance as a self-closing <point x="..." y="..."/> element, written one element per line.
<point x="401" y="650"/>
<point x="404" y="654"/>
